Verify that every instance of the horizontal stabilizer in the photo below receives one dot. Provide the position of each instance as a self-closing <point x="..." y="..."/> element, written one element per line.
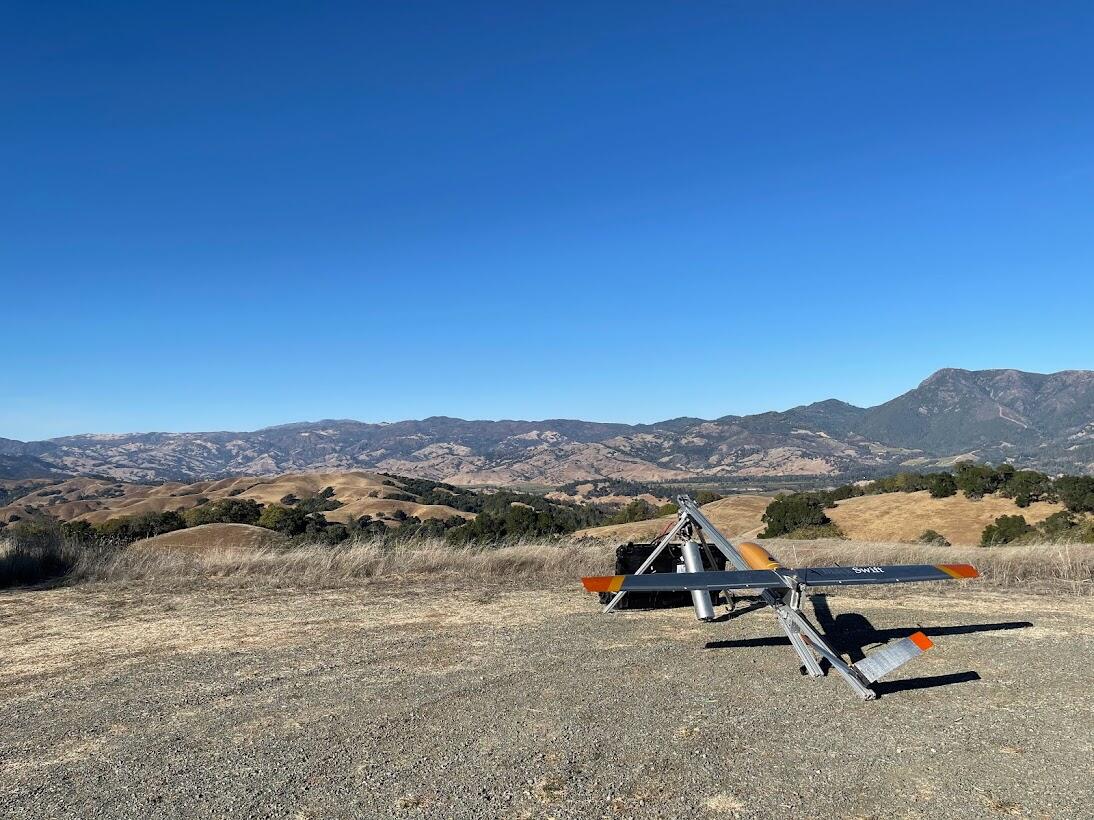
<point x="892" y="656"/>
<point x="685" y="581"/>
<point x="873" y="574"/>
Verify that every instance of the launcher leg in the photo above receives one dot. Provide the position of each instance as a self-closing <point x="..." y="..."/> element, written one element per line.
<point x="809" y="661"/>
<point x="783" y="608"/>
<point x="816" y="641"/>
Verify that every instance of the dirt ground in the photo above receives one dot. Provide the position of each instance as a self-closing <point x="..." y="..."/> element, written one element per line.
<point x="137" y="701"/>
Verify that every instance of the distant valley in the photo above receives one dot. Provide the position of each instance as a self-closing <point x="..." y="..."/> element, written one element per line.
<point x="1045" y="421"/>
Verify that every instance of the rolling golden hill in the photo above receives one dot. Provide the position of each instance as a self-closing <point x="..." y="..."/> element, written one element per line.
<point x="96" y="500"/>
<point x="214" y="536"/>
<point x="737" y="516"/>
<point x="888" y="517"/>
<point x="905" y="516"/>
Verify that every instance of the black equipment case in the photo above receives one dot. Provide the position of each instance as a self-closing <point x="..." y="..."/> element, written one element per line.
<point x="630" y="556"/>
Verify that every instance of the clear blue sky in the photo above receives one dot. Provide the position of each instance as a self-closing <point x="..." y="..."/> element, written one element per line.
<point x="233" y="214"/>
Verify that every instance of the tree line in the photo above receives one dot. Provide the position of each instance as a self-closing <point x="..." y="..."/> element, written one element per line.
<point x="499" y="515"/>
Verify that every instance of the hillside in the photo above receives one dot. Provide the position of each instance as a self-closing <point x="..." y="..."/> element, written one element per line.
<point x="886" y="517"/>
<point x="213" y="536"/>
<point x="97" y="500"/>
<point x="1035" y="420"/>
<point x="737" y="516"/>
<point x="904" y="516"/>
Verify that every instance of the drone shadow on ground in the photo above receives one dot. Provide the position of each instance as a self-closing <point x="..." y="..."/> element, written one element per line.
<point x="850" y="633"/>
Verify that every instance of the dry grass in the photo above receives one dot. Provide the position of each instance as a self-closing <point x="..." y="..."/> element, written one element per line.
<point x="1054" y="567"/>
<point x="241" y="536"/>
<point x="353" y="562"/>
<point x="904" y="516"/>
<point x="1048" y="567"/>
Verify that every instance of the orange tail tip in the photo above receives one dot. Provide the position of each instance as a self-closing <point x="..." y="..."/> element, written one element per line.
<point x="959" y="570"/>
<point x="603" y="583"/>
<point x="921" y="640"/>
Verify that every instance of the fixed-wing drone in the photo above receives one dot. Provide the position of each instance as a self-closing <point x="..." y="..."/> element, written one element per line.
<point x="780" y="588"/>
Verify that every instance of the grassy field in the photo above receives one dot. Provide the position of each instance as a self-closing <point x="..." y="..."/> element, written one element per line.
<point x="1051" y="567"/>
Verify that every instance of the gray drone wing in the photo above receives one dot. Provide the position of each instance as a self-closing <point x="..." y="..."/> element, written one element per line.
<point x="874" y="574"/>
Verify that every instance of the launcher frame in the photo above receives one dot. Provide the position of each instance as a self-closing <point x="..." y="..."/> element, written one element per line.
<point x="804" y="638"/>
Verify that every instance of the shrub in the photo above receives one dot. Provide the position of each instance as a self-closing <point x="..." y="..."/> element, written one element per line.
<point x="79" y="532"/>
<point x="285" y="520"/>
<point x="320" y="502"/>
<point x="808" y="533"/>
<point x="637" y="510"/>
<point x="667" y="509"/>
<point x="1027" y="486"/>
<point x="933" y="537"/>
<point x="941" y="485"/>
<point x="1076" y="493"/>
<point x="1007" y="528"/>
<point x="34" y="533"/>
<point x="706" y="497"/>
<point x="788" y="513"/>
<point x="224" y="511"/>
<point x="977" y="481"/>
<point x="1058" y="524"/>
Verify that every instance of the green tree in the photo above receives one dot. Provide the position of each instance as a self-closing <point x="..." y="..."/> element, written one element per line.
<point x="791" y="512"/>
<point x="224" y="511"/>
<point x="1076" y="493"/>
<point x="941" y="485"/>
<point x="1007" y="528"/>
<point x="286" y="520"/>
<point x="150" y="524"/>
<point x="79" y="531"/>
<point x="1027" y="486"/>
<point x="1058" y="524"/>
<point x="116" y="530"/>
<point x="977" y="481"/>
<point x="637" y="510"/>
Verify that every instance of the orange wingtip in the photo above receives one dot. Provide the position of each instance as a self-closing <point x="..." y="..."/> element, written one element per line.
<point x="959" y="570"/>
<point x="603" y="583"/>
<point x="921" y="640"/>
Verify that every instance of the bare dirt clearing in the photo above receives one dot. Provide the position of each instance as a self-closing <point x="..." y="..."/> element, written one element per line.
<point x="382" y="700"/>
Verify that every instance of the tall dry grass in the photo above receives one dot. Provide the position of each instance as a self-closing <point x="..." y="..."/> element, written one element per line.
<point x="1052" y="567"/>
<point x="38" y="562"/>
<point x="355" y="561"/>
<point x="1049" y="566"/>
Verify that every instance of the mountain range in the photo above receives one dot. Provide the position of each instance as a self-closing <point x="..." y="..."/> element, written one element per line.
<point x="1036" y="420"/>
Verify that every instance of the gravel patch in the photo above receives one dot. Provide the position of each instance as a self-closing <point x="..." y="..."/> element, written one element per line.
<point x="490" y="703"/>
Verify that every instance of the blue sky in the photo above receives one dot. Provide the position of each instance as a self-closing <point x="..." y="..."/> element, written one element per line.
<point x="230" y="215"/>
